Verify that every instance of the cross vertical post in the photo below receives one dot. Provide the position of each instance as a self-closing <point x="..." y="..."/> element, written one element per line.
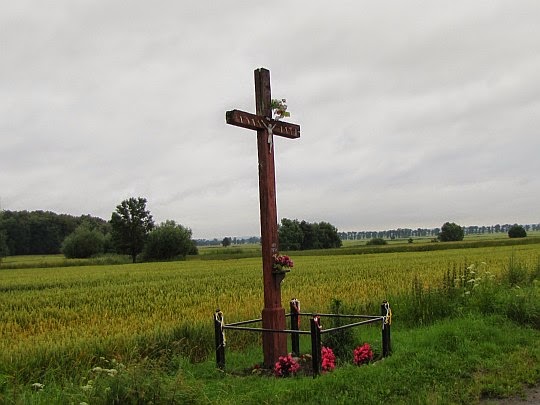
<point x="273" y="314"/>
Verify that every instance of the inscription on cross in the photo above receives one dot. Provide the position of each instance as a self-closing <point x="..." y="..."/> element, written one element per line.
<point x="273" y="314"/>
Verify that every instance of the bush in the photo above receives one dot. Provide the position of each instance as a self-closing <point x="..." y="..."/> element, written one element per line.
<point x="342" y="341"/>
<point x="83" y="243"/>
<point x="168" y="241"/>
<point x="295" y="235"/>
<point x="517" y="231"/>
<point x="376" y="242"/>
<point x="451" y="232"/>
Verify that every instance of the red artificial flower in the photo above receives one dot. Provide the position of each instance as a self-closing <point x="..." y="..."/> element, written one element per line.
<point x="363" y="354"/>
<point x="328" y="359"/>
<point x="286" y="366"/>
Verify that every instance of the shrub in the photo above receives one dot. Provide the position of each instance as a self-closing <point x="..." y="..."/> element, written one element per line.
<point x="342" y="340"/>
<point x="451" y="232"/>
<point x="376" y="242"/>
<point x="517" y="231"/>
<point x="83" y="243"/>
<point x="168" y="241"/>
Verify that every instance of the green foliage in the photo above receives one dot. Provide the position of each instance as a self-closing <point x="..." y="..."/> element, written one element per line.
<point x="4" y="251"/>
<point x="168" y="241"/>
<point x="226" y="242"/>
<point x="451" y="232"/>
<point x="295" y="235"/>
<point x="517" y="231"/>
<point x="376" y="242"/>
<point x="41" y="232"/>
<point x="156" y="324"/>
<point x="516" y="272"/>
<point x="341" y="341"/>
<point x="474" y="289"/>
<point x="131" y="224"/>
<point x="83" y="243"/>
<point x="327" y="235"/>
<point x="279" y="108"/>
<point x="290" y="235"/>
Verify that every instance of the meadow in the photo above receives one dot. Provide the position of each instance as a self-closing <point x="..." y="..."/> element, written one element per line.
<point x="57" y="324"/>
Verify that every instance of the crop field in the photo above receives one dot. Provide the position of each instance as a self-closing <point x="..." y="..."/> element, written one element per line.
<point x="66" y="316"/>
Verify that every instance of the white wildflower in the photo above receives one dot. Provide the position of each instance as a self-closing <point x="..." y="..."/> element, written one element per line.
<point x="89" y="386"/>
<point x="111" y="372"/>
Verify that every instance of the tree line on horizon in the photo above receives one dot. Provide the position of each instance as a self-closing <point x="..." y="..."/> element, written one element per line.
<point x="404" y="233"/>
<point x="44" y="232"/>
<point x="131" y="231"/>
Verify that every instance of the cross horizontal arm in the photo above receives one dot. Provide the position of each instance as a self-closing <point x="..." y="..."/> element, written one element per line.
<point x="256" y="122"/>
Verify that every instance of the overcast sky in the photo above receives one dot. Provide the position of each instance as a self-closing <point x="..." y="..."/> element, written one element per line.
<point x="412" y="113"/>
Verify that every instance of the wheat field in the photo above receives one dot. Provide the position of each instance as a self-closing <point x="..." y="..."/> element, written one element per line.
<point x="65" y="317"/>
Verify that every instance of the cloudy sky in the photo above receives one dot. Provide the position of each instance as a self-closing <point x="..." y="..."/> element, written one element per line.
<point x="412" y="113"/>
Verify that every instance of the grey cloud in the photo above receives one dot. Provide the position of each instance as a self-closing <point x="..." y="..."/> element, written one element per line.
<point x="411" y="113"/>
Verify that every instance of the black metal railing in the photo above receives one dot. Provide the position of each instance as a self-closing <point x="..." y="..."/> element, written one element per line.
<point x="315" y="331"/>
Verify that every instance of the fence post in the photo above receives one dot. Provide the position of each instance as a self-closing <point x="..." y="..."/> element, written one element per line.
<point x="386" y="312"/>
<point x="316" y="345"/>
<point x="219" y="339"/>
<point x="295" y="325"/>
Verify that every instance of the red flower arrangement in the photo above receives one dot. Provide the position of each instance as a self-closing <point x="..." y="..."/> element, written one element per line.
<point x="328" y="359"/>
<point x="286" y="366"/>
<point x="363" y="354"/>
<point x="282" y="262"/>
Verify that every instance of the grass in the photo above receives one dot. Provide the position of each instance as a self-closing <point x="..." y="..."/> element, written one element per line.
<point x="452" y="361"/>
<point x="151" y="322"/>
<point x="48" y="261"/>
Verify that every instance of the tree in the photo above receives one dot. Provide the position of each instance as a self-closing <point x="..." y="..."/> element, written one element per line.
<point x="450" y="232"/>
<point x="42" y="232"/>
<point x="130" y="225"/>
<point x="517" y="231"/>
<point x="327" y="235"/>
<point x="294" y="235"/>
<point x="4" y="251"/>
<point x="168" y="241"/>
<point x="84" y="242"/>
<point x="226" y="242"/>
<point x="311" y="238"/>
<point x="290" y="234"/>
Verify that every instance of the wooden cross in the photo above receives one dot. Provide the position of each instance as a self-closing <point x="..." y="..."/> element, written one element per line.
<point x="273" y="314"/>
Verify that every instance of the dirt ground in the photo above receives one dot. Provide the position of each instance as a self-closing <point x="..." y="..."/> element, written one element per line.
<point x="531" y="396"/>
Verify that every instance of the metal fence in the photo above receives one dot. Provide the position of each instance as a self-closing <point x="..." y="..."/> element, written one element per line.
<point x="316" y="331"/>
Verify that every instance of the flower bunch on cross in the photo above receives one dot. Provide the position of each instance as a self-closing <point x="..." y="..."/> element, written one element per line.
<point x="279" y="111"/>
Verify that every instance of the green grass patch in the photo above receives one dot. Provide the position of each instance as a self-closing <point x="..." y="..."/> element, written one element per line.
<point x="452" y="361"/>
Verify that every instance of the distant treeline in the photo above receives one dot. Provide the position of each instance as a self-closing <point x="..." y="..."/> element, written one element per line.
<point x="401" y="233"/>
<point x="42" y="232"/>
<point x="233" y="241"/>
